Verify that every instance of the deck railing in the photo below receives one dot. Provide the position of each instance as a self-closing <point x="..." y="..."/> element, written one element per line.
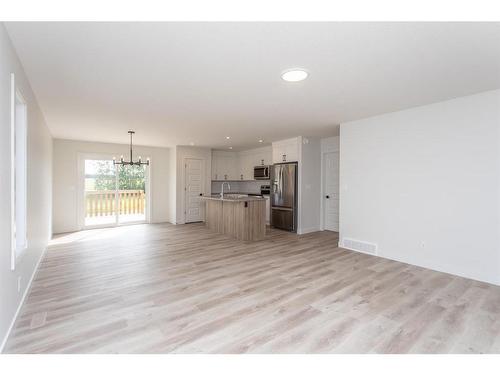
<point x="103" y="202"/>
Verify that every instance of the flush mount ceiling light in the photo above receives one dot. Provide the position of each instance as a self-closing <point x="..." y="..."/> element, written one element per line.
<point x="294" y="75"/>
<point x="260" y="141"/>
<point x="228" y="137"/>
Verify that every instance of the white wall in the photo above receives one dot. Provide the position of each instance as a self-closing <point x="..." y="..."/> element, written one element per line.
<point x="309" y="185"/>
<point x="39" y="188"/>
<point x="183" y="152"/>
<point x="423" y="184"/>
<point x="66" y="179"/>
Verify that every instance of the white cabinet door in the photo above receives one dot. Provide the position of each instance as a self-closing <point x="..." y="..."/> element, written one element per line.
<point x="263" y="156"/>
<point x="291" y="151"/>
<point x="229" y="168"/>
<point x="267" y="157"/>
<point x="221" y="170"/>
<point x="286" y="151"/>
<point x="218" y="167"/>
<point x="278" y="152"/>
<point x="246" y="168"/>
<point x="225" y="171"/>
<point x="232" y="168"/>
<point x="259" y="159"/>
<point x="250" y="166"/>
<point x="214" y="167"/>
<point x="254" y="160"/>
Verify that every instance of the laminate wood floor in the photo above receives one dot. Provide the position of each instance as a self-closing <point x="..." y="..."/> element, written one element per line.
<point x="183" y="289"/>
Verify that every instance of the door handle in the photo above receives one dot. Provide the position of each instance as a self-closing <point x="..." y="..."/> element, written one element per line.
<point x="282" y="208"/>
<point x="327" y="197"/>
<point x="201" y="194"/>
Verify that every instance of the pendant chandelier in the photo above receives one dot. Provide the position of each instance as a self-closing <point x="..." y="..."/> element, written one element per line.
<point x="131" y="161"/>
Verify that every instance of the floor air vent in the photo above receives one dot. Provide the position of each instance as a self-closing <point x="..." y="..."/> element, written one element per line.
<point x="364" y="247"/>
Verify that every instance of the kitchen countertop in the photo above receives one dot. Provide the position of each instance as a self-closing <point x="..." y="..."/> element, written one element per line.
<point x="232" y="199"/>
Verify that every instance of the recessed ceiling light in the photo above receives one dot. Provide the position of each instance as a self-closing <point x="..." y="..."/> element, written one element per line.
<point x="230" y="147"/>
<point x="294" y="75"/>
<point x="228" y="137"/>
<point x="260" y="141"/>
<point x="191" y="143"/>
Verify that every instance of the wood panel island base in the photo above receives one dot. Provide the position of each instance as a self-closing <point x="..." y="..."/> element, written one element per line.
<point x="241" y="218"/>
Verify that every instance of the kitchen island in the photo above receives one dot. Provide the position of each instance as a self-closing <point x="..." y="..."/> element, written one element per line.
<point x="243" y="218"/>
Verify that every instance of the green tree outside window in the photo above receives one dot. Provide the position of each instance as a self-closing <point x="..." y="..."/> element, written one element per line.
<point x="130" y="177"/>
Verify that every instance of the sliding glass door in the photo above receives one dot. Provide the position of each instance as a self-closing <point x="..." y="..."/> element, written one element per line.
<point x="100" y="193"/>
<point x="132" y="193"/>
<point x="114" y="194"/>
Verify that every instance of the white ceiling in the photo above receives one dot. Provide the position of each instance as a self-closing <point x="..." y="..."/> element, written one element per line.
<point x="176" y="83"/>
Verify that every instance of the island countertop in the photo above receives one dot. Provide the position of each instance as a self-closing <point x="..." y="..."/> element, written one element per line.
<point x="232" y="199"/>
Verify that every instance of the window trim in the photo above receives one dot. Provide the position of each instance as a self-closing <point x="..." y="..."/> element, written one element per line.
<point x="17" y="96"/>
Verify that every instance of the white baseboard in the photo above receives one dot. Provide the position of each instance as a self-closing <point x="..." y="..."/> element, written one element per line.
<point x="21" y="303"/>
<point x="308" y="230"/>
<point x="422" y="265"/>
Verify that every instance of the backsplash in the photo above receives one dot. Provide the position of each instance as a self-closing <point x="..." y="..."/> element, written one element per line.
<point x="252" y="187"/>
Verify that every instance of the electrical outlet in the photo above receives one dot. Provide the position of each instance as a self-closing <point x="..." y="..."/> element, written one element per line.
<point x="18" y="284"/>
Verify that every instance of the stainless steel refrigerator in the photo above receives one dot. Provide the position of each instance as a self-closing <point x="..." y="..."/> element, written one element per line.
<point x="284" y="196"/>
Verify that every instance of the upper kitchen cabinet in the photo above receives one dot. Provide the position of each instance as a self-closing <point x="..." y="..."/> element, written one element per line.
<point x="229" y="165"/>
<point x="263" y="156"/>
<point x="225" y="165"/>
<point x="286" y="150"/>
<point x="252" y="158"/>
<point x="246" y="166"/>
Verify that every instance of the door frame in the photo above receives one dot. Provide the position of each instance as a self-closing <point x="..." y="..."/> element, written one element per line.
<point x="80" y="192"/>
<point x="323" y="182"/>
<point x="203" y="187"/>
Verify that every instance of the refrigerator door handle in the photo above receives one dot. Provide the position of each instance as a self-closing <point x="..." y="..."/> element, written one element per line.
<point x="282" y="208"/>
<point x="281" y="181"/>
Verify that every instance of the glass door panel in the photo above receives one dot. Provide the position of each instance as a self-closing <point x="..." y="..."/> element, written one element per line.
<point x="100" y="200"/>
<point x="131" y="193"/>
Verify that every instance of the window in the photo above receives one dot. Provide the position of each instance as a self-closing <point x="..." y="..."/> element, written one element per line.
<point x="19" y="153"/>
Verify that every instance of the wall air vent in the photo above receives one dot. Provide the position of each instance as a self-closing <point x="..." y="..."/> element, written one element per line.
<point x="364" y="247"/>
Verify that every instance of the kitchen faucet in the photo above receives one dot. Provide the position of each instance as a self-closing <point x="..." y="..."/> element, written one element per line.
<point x="222" y="189"/>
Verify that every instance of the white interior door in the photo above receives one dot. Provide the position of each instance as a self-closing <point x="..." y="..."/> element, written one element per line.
<point x="194" y="187"/>
<point x="331" y="191"/>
